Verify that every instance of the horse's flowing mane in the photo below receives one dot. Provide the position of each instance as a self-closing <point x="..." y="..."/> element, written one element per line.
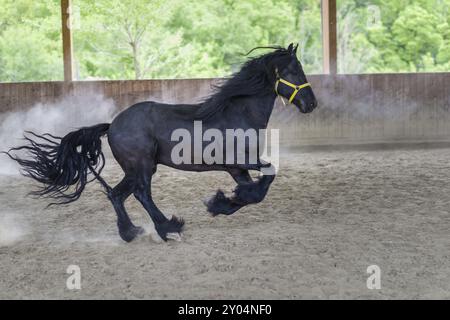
<point x="253" y="78"/>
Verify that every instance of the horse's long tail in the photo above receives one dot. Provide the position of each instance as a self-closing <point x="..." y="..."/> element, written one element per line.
<point x="63" y="165"/>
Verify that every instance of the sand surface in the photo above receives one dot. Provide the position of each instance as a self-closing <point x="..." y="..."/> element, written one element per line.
<point x="328" y="216"/>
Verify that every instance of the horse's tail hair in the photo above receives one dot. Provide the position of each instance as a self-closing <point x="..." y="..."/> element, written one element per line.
<point x="63" y="164"/>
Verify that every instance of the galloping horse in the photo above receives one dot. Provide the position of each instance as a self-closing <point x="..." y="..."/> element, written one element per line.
<point x="141" y="138"/>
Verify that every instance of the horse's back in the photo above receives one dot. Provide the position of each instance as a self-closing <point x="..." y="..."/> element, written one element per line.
<point x="187" y="110"/>
<point x="143" y="123"/>
<point x="159" y="111"/>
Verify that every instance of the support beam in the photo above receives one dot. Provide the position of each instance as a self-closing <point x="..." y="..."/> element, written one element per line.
<point x="329" y="36"/>
<point x="66" y="10"/>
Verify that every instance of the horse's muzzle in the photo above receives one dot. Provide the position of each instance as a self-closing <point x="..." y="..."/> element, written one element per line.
<point x="308" y="107"/>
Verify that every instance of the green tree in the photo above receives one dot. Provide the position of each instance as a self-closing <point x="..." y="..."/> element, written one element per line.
<point x="125" y="39"/>
<point x="411" y="36"/>
<point x="30" y="40"/>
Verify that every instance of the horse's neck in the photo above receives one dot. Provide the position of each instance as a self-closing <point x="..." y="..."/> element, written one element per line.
<point x="257" y="109"/>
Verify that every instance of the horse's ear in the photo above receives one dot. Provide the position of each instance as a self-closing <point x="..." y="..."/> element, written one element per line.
<point x="294" y="52"/>
<point x="290" y="47"/>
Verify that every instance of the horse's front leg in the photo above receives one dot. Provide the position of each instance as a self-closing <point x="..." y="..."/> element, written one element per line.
<point x="255" y="192"/>
<point x="221" y="204"/>
<point x="247" y="192"/>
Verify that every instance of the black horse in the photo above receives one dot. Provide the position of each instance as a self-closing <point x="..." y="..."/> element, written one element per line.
<point x="141" y="137"/>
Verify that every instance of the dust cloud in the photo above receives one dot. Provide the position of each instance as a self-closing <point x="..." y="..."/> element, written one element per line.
<point x="57" y="118"/>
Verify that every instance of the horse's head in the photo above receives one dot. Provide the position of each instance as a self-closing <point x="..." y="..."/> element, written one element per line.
<point x="291" y="83"/>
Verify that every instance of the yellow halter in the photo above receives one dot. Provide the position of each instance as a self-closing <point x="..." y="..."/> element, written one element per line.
<point x="296" y="88"/>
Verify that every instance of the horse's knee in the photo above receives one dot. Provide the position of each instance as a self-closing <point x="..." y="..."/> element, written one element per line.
<point x="266" y="180"/>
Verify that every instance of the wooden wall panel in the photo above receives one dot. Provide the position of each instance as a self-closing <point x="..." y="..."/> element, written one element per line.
<point x="361" y="108"/>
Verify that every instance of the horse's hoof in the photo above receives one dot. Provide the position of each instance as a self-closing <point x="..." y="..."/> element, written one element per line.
<point x="206" y="201"/>
<point x="220" y="204"/>
<point x="131" y="233"/>
<point x="174" y="236"/>
<point x="174" y="225"/>
<point x="215" y="203"/>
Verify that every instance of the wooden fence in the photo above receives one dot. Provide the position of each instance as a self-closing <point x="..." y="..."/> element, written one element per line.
<point x="375" y="107"/>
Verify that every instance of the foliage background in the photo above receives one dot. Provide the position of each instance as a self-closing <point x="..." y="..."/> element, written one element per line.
<point x="135" y="39"/>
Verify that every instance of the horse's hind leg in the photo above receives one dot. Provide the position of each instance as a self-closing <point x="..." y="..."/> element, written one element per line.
<point x="142" y="193"/>
<point x="127" y="230"/>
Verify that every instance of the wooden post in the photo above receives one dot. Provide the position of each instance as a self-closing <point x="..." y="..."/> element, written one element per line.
<point x="329" y="36"/>
<point x="66" y="7"/>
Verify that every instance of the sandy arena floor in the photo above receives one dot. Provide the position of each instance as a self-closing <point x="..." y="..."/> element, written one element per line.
<point x="328" y="216"/>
